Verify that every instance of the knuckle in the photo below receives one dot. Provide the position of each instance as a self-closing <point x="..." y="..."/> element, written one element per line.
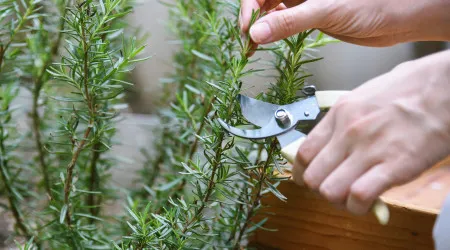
<point x="305" y="153"/>
<point x="355" y="129"/>
<point x="310" y="181"/>
<point x="388" y="176"/>
<point x="343" y="104"/>
<point x="360" y="193"/>
<point x="331" y="194"/>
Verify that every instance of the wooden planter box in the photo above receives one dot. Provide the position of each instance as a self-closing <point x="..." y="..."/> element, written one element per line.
<point x="308" y="222"/>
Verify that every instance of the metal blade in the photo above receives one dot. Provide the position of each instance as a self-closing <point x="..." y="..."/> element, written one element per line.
<point x="270" y="130"/>
<point x="257" y="112"/>
<point x="261" y="113"/>
<point x="305" y="110"/>
<point x="289" y="137"/>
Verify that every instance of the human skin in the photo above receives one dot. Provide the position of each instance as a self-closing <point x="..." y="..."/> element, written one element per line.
<point x="369" y="23"/>
<point x="384" y="133"/>
<point x="390" y="129"/>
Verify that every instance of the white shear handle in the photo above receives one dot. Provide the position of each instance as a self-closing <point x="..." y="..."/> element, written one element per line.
<point x="326" y="99"/>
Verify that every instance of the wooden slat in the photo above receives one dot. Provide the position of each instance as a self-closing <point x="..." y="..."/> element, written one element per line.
<point x="308" y="222"/>
<point x="425" y="194"/>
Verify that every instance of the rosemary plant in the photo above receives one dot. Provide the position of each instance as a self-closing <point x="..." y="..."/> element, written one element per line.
<point x="202" y="189"/>
<point x="14" y="18"/>
<point x="74" y="58"/>
<point x="214" y="203"/>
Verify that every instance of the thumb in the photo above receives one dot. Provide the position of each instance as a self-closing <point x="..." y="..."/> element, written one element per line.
<point x="284" y="23"/>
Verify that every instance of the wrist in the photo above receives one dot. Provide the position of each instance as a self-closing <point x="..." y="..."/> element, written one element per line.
<point x="436" y="89"/>
<point x="436" y="101"/>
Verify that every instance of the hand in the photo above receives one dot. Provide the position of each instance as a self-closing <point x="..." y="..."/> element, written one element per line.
<point x="384" y="133"/>
<point x="371" y="23"/>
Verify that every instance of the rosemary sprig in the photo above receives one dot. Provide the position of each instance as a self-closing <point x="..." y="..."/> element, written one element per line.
<point x="11" y="49"/>
<point x="40" y="80"/>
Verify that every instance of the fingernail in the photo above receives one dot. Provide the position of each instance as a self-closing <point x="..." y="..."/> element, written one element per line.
<point x="356" y="206"/>
<point x="260" y="32"/>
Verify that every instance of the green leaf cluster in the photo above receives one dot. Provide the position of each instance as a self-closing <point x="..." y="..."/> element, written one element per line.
<point x="201" y="189"/>
<point x="207" y="186"/>
<point x="74" y="58"/>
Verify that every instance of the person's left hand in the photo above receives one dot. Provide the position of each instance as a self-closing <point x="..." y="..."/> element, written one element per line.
<point x="384" y="133"/>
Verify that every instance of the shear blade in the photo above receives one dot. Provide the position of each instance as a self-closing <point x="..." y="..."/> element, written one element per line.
<point x="289" y="137"/>
<point x="255" y="111"/>
<point x="261" y="113"/>
<point x="270" y="130"/>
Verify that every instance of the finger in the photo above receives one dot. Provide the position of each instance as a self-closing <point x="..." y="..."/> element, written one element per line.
<point x="316" y="140"/>
<point x="247" y="7"/>
<point x="270" y="5"/>
<point x="336" y="186"/>
<point x="282" y="24"/>
<point x="297" y="172"/>
<point x="292" y="3"/>
<point x="326" y="161"/>
<point x="281" y="6"/>
<point x="368" y="188"/>
<point x="252" y="49"/>
<point x="254" y="46"/>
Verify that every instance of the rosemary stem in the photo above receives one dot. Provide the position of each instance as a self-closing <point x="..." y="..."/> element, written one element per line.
<point x="69" y="173"/>
<point x="211" y="182"/>
<point x="200" y="129"/>
<point x="10" y="194"/>
<point x="217" y="159"/>
<point x="195" y="144"/>
<point x="4" y="48"/>
<point x="80" y="147"/>
<point x="38" y="141"/>
<point x="34" y="112"/>
<point x="92" y="202"/>
<point x="258" y="194"/>
<point x="3" y="161"/>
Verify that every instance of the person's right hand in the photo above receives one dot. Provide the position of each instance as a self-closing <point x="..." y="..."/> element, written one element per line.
<point x="374" y="23"/>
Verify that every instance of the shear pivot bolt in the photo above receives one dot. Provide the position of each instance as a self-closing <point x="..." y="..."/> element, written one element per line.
<point x="281" y="114"/>
<point x="309" y="90"/>
<point x="282" y="117"/>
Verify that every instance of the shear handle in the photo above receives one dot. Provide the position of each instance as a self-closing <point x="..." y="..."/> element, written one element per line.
<point x="326" y="99"/>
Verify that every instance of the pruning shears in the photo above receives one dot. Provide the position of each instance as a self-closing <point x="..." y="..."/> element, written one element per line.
<point x="282" y="121"/>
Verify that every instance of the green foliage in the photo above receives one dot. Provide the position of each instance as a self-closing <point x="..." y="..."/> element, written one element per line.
<point x="74" y="58"/>
<point x="213" y="204"/>
<point x="14" y="18"/>
<point x="202" y="189"/>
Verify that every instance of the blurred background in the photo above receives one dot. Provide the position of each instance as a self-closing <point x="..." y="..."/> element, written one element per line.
<point x="344" y="66"/>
